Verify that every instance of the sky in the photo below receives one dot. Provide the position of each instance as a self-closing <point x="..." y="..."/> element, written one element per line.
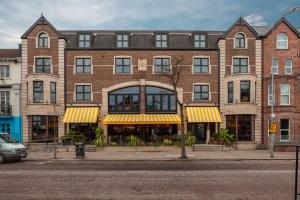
<point x="16" y="16"/>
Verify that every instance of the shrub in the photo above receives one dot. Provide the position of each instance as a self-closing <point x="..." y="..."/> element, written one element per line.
<point x="76" y="136"/>
<point x="114" y="144"/>
<point x="226" y="137"/>
<point x="168" y="142"/>
<point x="190" y="140"/>
<point x="134" y="141"/>
<point x="100" y="139"/>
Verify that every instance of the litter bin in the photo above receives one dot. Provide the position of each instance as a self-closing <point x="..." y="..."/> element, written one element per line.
<point x="80" y="150"/>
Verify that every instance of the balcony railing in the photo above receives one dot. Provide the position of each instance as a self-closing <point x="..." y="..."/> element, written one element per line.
<point x="5" y="110"/>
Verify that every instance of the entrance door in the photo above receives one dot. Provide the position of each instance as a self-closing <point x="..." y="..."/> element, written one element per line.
<point x="199" y="131"/>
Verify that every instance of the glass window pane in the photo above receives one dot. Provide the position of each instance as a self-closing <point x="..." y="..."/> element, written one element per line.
<point x="125" y="44"/>
<point x="165" y="102"/>
<point x="197" y="37"/>
<point x="197" y="44"/>
<point x="166" y="61"/>
<point x="126" y="61"/>
<point x="158" y="37"/>
<point x="164" y="37"/>
<point x="79" y="88"/>
<point x="119" y="37"/>
<point x="164" y="44"/>
<point x="79" y="69"/>
<point x="157" y="102"/>
<point x="172" y="102"/>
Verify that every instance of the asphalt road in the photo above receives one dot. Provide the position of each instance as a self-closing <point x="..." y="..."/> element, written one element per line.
<point x="151" y="180"/>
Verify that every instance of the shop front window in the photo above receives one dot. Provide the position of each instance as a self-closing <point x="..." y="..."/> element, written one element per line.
<point x="241" y="125"/>
<point x="43" y="128"/>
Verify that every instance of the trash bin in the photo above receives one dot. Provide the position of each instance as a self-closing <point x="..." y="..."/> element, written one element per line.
<point x="80" y="150"/>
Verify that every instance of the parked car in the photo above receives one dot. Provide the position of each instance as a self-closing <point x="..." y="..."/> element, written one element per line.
<point x="10" y="149"/>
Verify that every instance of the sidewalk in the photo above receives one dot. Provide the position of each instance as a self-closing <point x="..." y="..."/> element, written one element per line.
<point x="162" y="153"/>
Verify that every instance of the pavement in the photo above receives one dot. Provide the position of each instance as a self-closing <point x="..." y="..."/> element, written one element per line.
<point x="160" y="153"/>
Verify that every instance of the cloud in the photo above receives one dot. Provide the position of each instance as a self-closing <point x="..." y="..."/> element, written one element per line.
<point x="256" y="20"/>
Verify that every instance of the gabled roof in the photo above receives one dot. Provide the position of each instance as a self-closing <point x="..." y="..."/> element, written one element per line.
<point x="239" y="22"/>
<point x="41" y="21"/>
<point x="283" y="20"/>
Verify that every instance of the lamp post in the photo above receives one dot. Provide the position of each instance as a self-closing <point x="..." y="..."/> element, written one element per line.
<point x="272" y="132"/>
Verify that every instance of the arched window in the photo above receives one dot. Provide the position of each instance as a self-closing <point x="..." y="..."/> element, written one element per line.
<point x="124" y="100"/>
<point x="282" y="41"/>
<point x="43" y="40"/>
<point x="160" y="100"/>
<point x="239" y="41"/>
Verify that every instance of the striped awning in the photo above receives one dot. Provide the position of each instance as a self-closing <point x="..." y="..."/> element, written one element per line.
<point x="203" y="114"/>
<point x="81" y="115"/>
<point x="141" y="119"/>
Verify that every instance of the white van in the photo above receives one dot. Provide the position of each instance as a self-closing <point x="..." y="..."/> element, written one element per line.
<point x="10" y="149"/>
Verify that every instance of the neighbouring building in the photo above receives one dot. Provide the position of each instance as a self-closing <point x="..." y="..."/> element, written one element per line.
<point x="282" y="42"/>
<point x="10" y="92"/>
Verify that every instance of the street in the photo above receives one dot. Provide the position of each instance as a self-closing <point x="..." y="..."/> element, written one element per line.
<point x="192" y="179"/>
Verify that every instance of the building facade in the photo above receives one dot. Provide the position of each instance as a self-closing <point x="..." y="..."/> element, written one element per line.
<point x="10" y="92"/>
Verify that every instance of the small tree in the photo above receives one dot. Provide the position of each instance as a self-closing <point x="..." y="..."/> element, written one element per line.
<point x="100" y="139"/>
<point x="174" y="75"/>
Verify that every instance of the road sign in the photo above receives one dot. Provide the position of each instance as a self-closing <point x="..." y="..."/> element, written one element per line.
<point x="273" y="128"/>
<point x="273" y="115"/>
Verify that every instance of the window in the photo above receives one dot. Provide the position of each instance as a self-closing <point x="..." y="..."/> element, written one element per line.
<point x="285" y="94"/>
<point x="122" y="66"/>
<point x="5" y="107"/>
<point x="38" y="91"/>
<point x="43" y="65"/>
<point x="270" y="96"/>
<point x="52" y="92"/>
<point x="43" y="40"/>
<point x="4" y="71"/>
<point x="124" y="100"/>
<point x="122" y="40"/>
<point x="282" y="41"/>
<point x="5" y="128"/>
<point x="240" y="65"/>
<point x="200" y="40"/>
<point x="230" y="92"/>
<point x="83" y="65"/>
<point x="43" y="127"/>
<point x="162" y="65"/>
<point x="288" y="66"/>
<point x="38" y="127"/>
<point x="160" y="100"/>
<point x="201" y="65"/>
<point x="245" y="91"/>
<point x="275" y="66"/>
<point x="161" y="40"/>
<point x="84" y="41"/>
<point x="201" y="92"/>
<point x="83" y="93"/>
<point x="239" y="41"/>
<point x="284" y="129"/>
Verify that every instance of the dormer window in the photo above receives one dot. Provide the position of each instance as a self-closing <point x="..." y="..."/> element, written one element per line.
<point x="84" y="41"/>
<point x="161" y="40"/>
<point x="281" y="41"/>
<point x="240" y="41"/>
<point x="122" y="41"/>
<point x="199" y="40"/>
<point x="43" y="40"/>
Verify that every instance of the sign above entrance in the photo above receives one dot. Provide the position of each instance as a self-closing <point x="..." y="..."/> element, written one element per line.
<point x="142" y="64"/>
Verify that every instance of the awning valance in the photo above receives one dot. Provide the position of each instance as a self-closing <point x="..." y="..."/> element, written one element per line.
<point x="81" y="115"/>
<point x="141" y="119"/>
<point x="203" y="114"/>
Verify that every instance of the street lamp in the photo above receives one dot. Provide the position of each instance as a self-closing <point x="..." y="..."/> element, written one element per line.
<point x="272" y="133"/>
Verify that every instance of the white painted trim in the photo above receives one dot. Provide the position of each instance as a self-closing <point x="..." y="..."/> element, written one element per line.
<point x="74" y="66"/>
<point x="37" y="40"/>
<point x="246" y="41"/>
<point x="233" y="57"/>
<point x="41" y="56"/>
<point x="114" y="66"/>
<point x="74" y="94"/>
<point x="209" y="65"/>
<point x="209" y="93"/>
<point x="291" y="67"/>
<point x="287" y="41"/>
<point x="162" y="56"/>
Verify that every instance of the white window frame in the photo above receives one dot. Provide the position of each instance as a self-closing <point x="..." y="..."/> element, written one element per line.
<point x="131" y="68"/>
<point x="289" y="131"/>
<point x="9" y="72"/>
<point x="271" y="95"/>
<point x="37" y="41"/>
<point x="289" y="94"/>
<point x="74" y="68"/>
<point x="245" y="38"/>
<point x="153" y="65"/>
<point x="278" y="41"/>
<point x="209" y="92"/>
<point x="83" y="84"/>
<point x="291" y="67"/>
<point x="193" y="66"/>
<point x="277" y="66"/>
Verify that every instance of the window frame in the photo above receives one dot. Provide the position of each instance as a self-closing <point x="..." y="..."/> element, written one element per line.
<point x="230" y="92"/>
<point x="38" y="92"/>
<point x="162" y="66"/>
<point x="84" y="40"/>
<point x="83" y="65"/>
<point x="201" y="71"/>
<point x="288" y="130"/>
<point x="200" y="40"/>
<point x="245" y="81"/>
<point x="291" y="66"/>
<point x="237" y="41"/>
<point x="83" y="93"/>
<point x="122" y="40"/>
<point x="270" y="94"/>
<point x="275" y="66"/>
<point x="240" y="66"/>
<point x="6" y="69"/>
<point x="43" y="66"/>
<point x="280" y="40"/>
<point x="47" y="39"/>
<point x="161" y="40"/>
<point x="201" y="84"/>
<point x="289" y="94"/>
<point x="53" y="93"/>
<point x="115" y="64"/>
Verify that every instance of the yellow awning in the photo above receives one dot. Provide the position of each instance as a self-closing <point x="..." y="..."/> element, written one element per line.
<point x="81" y="115"/>
<point x="141" y="119"/>
<point x="203" y="114"/>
